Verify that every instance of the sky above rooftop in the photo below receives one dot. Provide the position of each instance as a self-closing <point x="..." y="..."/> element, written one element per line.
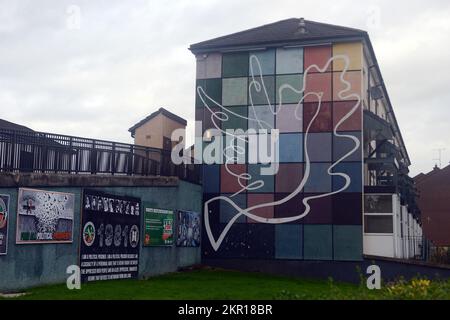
<point x="95" y="68"/>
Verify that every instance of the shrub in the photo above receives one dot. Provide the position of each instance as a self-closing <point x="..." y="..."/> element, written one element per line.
<point x="418" y="289"/>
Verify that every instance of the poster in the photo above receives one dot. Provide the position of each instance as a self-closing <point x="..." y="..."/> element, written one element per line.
<point x="109" y="247"/>
<point x="158" y="226"/>
<point x="188" y="230"/>
<point x="44" y="216"/>
<point x="4" y="211"/>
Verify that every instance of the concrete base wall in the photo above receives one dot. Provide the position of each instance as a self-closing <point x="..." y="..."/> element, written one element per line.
<point x="338" y="270"/>
<point x="29" y="265"/>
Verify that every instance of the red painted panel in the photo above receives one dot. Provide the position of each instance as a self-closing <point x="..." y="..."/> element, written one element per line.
<point x="340" y="109"/>
<point x="323" y="121"/>
<point x="317" y="56"/>
<point x="228" y="182"/>
<point x="261" y="198"/>
<point x="290" y="208"/>
<point x="321" y="211"/>
<point x="318" y="83"/>
<point x="288" y="177"/>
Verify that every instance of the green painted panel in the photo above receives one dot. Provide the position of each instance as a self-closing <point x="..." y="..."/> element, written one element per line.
<point x="212" y="88"/>
<point x="269" y="180"/>
<point x="237" y="118"/>
<point x="261" y="92"/>
<point x="347" y="241"/>
<point x="234" y="91"/>
<point x="318" y="242"/>
<point x="287" y="95"/>
<point x="235" y="64"/>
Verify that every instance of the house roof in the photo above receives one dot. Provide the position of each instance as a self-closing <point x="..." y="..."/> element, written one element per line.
<point x="4" y="124"/>
<point x="435" y="173"/>
<point x="27" y="135"/>
<point x="434" y="192"/>
<point x="162" y="111"/>
<point x="284" y="31"/>
<point x="288" y="32"/>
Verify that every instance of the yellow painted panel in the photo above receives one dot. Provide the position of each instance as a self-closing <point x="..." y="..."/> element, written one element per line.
<point x="353" y="50"/>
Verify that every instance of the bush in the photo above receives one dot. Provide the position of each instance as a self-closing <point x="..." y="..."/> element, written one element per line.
<point x="417" y="289"/>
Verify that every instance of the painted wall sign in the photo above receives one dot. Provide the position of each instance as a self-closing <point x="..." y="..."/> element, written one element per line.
<point x="4" y="212"/>
<point x="188" y="229"/>
<point x="158" y="226"/>
<point x="282" y="155"/>
<point x="109" y="247"/>
<point x="44" y="216"/>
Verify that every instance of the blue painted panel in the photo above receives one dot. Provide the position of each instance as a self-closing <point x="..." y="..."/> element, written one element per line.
<point x="269" y="180"/>
<point x="289" y="60"/>
<point x="266" y="61"/>
<point x="235" y="244"/>
<point x="261" y="241"/>
<point x="319" y="180"/>
<point x="211" y="174"/>
<point x="288" y="241"/>
<point x="343" y="145"/>
<point x="227" y="211"/>
<point x="291" y="147"/>
<point x="319" y="147"/>
<point x="354" y="171"/>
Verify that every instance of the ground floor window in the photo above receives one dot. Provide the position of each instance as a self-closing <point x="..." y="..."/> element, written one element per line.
<point x="378" y="224"/>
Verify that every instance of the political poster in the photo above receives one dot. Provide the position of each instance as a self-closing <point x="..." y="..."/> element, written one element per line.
<point x="188" y="229"/>
<point x="44" y="216"/>
<point x="109" y="248"/>
<point x="158" y="226"/>
<point x="4" y="214"/>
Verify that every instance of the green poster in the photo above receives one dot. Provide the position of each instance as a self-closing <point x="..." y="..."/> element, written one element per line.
<point x="158" y="226"/>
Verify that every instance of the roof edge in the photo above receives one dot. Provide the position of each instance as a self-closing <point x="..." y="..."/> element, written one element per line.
<point x="388" y="100"/>
<point x="203" y="45"/>
<point x="162" y="111"/>
<point x="297" y="42"/>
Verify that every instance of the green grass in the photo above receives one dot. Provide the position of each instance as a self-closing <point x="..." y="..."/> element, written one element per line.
<point x="209" y="284"/>
<point x="197" y="285"/>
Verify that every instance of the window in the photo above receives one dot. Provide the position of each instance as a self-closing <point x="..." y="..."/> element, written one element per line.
<point x="377" y="203"/>
<point x="378" y="224"/>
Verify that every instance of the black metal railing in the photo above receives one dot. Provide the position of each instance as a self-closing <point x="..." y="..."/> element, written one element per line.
<point x="29" y="151"/>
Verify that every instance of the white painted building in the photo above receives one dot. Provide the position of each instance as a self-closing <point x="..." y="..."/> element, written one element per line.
<point x="389" y="229"/>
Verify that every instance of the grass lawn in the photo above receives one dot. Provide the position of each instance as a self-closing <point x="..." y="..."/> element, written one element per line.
<point x="201" y="285"/>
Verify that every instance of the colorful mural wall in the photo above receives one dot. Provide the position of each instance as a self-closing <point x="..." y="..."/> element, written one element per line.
<point x="307" y="203"/>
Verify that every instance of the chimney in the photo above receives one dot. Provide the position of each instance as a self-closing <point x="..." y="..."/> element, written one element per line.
<point x="302" y="26"/>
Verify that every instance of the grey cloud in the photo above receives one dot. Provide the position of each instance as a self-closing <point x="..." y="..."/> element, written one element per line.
<point x="129" y="58"/>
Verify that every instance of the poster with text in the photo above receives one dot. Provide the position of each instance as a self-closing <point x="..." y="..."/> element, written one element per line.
<point x="158" y="226"/>
<point x="109" y="248"/>
<point x="44" y="216"/>
<point x="4" y="212"/>
<point x="188" y="229"/>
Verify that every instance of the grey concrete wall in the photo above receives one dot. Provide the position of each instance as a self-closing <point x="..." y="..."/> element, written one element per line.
<point x="338" y="270"/>
<point x="29" y="265"/>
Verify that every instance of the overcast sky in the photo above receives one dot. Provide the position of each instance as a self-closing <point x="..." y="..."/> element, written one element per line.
<point x="94" y="68"/>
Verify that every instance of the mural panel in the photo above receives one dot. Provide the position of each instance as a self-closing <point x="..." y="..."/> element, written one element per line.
<point x="158" y="226"/>
<point x="44" y="216"/>
<point x="188" y="229"/>
<point x="307" y="197"/>
<point x="110" y="237"/>
<point x="4" y="214"/>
